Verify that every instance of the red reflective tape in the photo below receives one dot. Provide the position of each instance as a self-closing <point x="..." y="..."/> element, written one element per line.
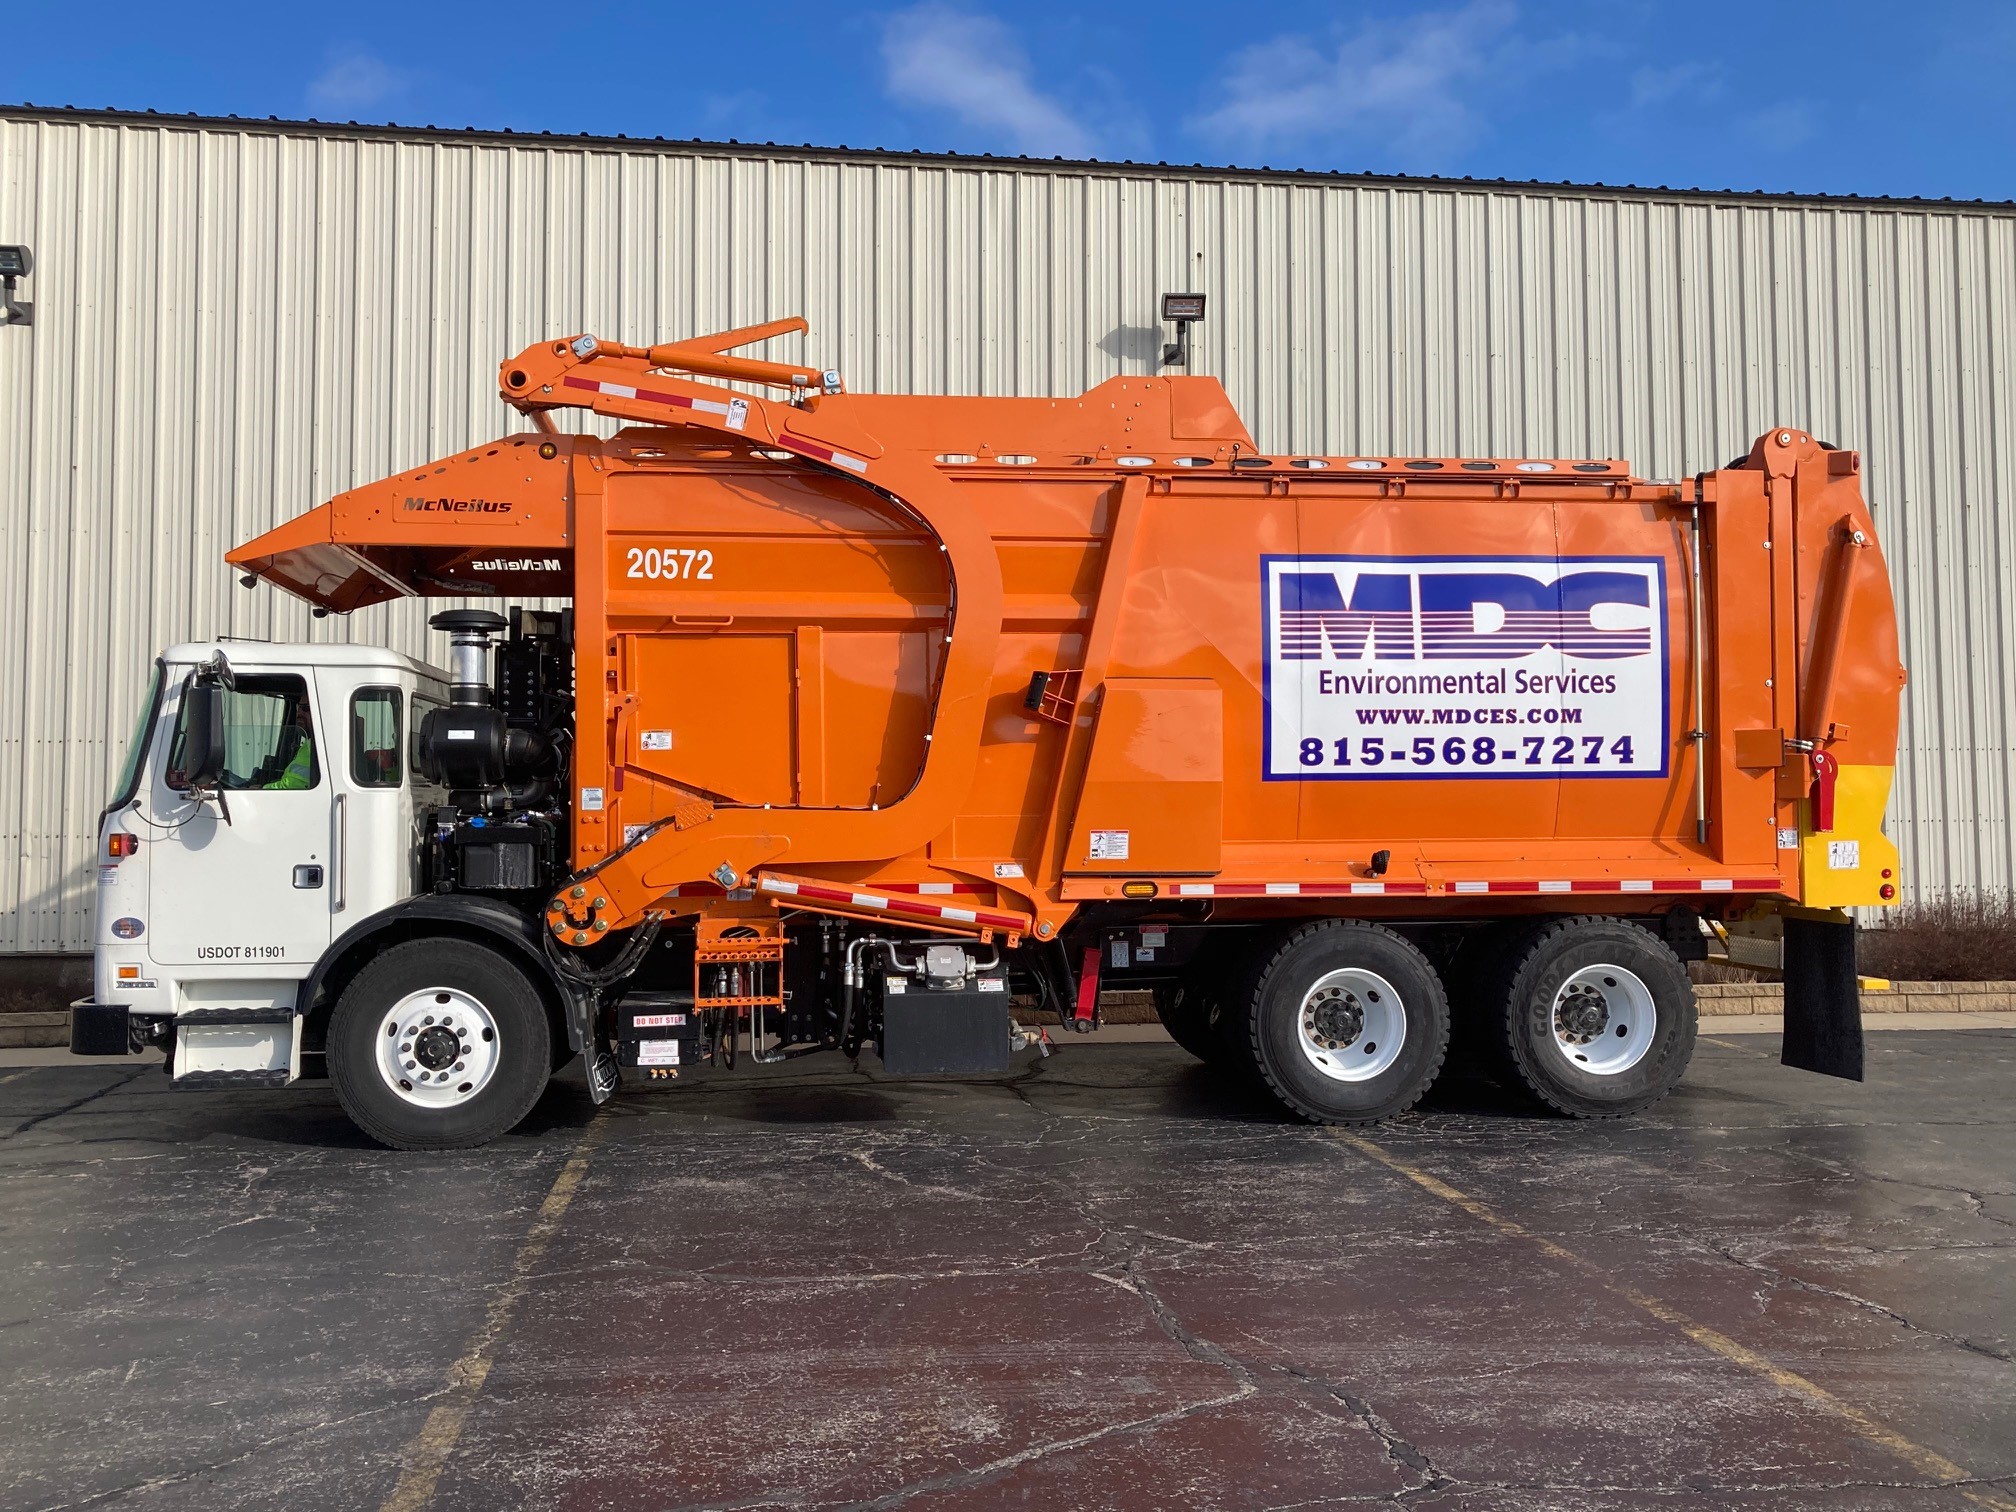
<point x="1469" y="888"/>
<point x="627" y="391"/>
<point x="810" y="448"/>
<point x="820" y="452"/>
<point x="850" y="898"/>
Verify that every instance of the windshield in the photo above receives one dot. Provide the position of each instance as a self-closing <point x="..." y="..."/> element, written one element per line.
<point x="136" y="748"/>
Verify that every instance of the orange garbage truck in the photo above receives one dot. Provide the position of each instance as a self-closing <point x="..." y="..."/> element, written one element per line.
<point x="920" y="722"/>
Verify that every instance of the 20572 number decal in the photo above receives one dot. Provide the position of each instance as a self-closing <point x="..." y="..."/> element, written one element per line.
<point x="670" y="563"/>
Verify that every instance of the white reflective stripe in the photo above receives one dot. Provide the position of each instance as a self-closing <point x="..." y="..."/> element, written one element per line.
<point x="934" y="887"/>
<point x="1193" y="889"/>
<point x="964" y="915"/>
<point x="1372" y="888"/>
<point x="710" y="406"/>
<point x="869" y="900"/>
<point x="1634" y="887"/>
<point x="1555" y="887"/>
<point x="1284" y="889"/>
<point x="1473" y="887"/>
<point x="1718" y="884"/>
<point x="772" y="884"/>
<point x="858" y="464"/>
<point x="619" y="391"/>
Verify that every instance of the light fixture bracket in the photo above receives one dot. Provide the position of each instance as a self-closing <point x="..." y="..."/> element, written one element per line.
<point x="15" y="262"/>
<point x="1184" y="310"/>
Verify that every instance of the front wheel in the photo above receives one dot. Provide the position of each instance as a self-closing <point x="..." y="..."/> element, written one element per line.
<point x="439" y="1045"/>
<point x="1596" y="1018"/>
<point x="1346" y="1022"/>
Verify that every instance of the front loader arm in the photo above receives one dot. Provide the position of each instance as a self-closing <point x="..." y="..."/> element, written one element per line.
<point x="725" y="844"/>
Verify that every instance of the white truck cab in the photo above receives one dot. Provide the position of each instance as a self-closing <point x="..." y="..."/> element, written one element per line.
<point x="215" y="906"/>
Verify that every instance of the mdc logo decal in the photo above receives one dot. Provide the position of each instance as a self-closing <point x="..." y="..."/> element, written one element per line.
<point x="1385" y="667"/>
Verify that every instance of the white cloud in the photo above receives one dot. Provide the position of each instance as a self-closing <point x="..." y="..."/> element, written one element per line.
<point x="1780" y="128"/>
<point x="1420" y="90"/>
<point x="355" y="80"/>
<point x="941" y="58"/>
<point x="1652" y="88"/>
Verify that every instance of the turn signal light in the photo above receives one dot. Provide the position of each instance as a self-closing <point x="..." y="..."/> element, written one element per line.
<point x="1138" y="889"/>
<point x="121" y="844"/>
<point x="1886" y="892"/>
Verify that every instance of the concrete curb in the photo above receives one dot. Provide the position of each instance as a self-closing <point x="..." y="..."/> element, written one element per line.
<point x="1717" y="998"/>
<point x="33" y="1030"/>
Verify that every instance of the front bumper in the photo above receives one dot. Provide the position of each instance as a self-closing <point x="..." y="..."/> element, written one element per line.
<point x="113" y="1029"/>
<point x="100" y="1028"/>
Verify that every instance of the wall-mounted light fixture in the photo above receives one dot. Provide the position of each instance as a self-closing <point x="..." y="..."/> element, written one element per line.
<point x="1184" y="310"/>
<point x="14" y="263"/>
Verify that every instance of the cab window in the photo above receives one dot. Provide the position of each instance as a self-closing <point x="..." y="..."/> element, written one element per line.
<point x="269" y="737"/>
<point x="422" y="707"/>
<point x="377" y="754"/>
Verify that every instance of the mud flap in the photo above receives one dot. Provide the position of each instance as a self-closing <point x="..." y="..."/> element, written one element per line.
<point x="1823" y="999"/>
<point x="583" y="1018"/>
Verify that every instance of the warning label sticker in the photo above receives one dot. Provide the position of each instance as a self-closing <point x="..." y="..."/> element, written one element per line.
<point x="658" y="1052"/>
<point x="1109" y="845"/>
<point x="1412" y="667"/>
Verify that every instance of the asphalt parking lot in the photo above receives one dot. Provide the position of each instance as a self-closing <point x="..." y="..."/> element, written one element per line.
<point x="1111" y="1282"/>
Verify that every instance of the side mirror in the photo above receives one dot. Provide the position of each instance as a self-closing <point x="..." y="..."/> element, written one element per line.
<point x="203" y="735"/>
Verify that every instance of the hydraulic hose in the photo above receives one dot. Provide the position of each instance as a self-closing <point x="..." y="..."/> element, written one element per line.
<point x="627" y="960"/>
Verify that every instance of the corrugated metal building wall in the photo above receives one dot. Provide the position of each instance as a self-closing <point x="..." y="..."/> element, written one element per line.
<point x="235" y="320"/>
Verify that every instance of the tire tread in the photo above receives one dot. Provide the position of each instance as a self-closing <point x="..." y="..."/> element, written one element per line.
<point x="1515" y="958"/>
<point x="1254" y="984"/>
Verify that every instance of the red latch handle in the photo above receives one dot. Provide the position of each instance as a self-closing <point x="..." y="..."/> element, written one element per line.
<point x="1825" y="767"/>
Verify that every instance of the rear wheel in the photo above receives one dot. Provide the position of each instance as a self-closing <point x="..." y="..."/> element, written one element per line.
<point x="439" y="1045"/>
<point x="1595" y="1018"/>
<point x="1185" y="1010"/>
<point x="1345" y="1022"/>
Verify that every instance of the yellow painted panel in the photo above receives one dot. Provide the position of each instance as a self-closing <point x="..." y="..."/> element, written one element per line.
<point x="1846" y="867"/>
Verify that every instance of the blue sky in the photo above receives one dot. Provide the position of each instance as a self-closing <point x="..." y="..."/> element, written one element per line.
<point x="1850" y="97"/>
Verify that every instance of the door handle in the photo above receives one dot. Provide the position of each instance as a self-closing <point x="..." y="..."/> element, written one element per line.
<point x="341" y="860"/>
<point x="307" y="876"/>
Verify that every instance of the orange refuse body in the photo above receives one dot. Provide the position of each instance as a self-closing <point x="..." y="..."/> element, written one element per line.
<point x="1017" y="671"/>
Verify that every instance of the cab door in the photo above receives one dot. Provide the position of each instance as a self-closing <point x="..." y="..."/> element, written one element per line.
<point x="376" y="836"/>
<point x="253" y="888"/>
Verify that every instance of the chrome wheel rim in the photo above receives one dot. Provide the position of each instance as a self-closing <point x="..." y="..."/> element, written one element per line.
<point x="437" y="1047"/>
<point x="1351" y="1025"/>
<point x="1604" y="1020"/>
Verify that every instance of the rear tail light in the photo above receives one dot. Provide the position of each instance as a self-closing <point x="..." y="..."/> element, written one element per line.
<point x="121" y="844"/>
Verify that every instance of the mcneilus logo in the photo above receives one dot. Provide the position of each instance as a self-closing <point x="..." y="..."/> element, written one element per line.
<point x="516" y="564"/>
<point x="1404" y="668"/>
<point x="455" y="506"/>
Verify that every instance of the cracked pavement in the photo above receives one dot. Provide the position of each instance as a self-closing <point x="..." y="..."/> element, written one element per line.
<point x="1110" y="1282"/>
